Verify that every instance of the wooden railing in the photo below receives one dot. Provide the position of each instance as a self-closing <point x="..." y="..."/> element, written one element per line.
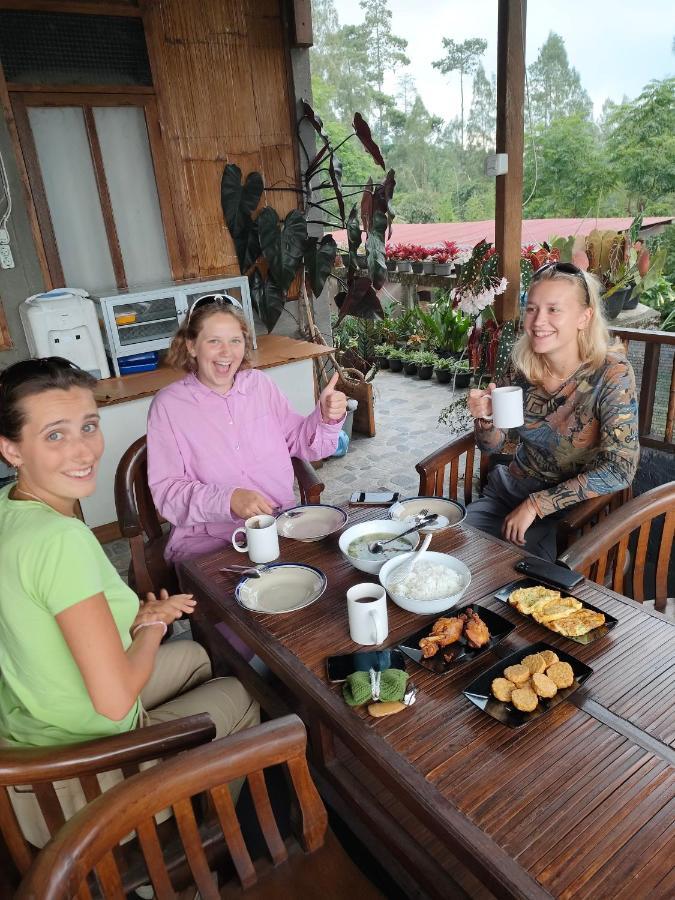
<point x="656" y="380"/>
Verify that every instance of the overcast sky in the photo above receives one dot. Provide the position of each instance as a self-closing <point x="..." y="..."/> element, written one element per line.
<point x="617" y="46"/>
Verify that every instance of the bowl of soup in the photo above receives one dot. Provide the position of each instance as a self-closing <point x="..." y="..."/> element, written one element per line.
<point x="354" y="543"/>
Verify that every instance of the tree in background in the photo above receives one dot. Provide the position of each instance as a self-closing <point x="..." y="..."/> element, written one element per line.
<point x="554" y="86"/>
<point x="406" y="92"/>
<point x="641" y="144"/>
<point x="462" y="58"/>
<point x="482" y="122"/>
<point x="386" y="51"/>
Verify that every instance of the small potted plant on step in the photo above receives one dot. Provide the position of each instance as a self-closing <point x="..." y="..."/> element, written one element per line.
<point x="381" y="352"/>
<point x="461" y="373"/>
<point x="395" y="357"/>
<point x="410" y="362"/>
<point x="443" y="369"/>
<point x="426" y="360"/>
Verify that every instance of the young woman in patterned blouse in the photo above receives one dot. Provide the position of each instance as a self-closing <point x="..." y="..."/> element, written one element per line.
<point x="580" y="436"/>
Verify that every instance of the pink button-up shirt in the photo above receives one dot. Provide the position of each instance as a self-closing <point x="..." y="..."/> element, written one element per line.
<point x="203" y="445"/>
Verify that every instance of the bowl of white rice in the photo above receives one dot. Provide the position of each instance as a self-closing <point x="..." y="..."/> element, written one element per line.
<point x="436" y="582"/>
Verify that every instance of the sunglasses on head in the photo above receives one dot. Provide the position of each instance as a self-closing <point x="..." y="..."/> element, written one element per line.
<point x="217" y="299"/>
<point x="566" y="269"/>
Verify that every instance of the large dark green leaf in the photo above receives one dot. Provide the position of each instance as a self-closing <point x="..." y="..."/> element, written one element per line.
<point x="282" y="246"/>
<point x="267" y="299"/>
<point x="335" y="175"/>
<point x="319" y="261"/>
<point x="361" y="300"/>
<point x="383" y="195"/>
<point x="362" y="130"/>
<point x="353" y="238"/>
<point x="377" y="266"/>
<point x="238" y="203"/>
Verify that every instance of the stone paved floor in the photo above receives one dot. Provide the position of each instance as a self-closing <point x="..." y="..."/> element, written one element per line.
<point x="406" y="422"/>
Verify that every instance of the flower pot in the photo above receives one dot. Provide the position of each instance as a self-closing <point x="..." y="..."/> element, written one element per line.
<point x="410" y="368"/>
<point x="382" y="361"/>
<point x="614" y="303"/>
<point x="417" y="266"/>
<point x="443" y="376"/>
<point x="442" y="268"/>
<point x="424" y="373"/>
<point x="461" y="379"/>
<point x="391" y="265"/>
<point x="631" y="301"/>
<point x="395" y="365"/>
<point x="428" y="266"/>
<point x="403" y="265"/>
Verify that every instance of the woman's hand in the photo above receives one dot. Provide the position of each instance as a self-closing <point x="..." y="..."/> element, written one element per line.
<point x="244" y="504"/>
<point x="333" y="403"/>
<point x="518" y="521"/>
<point x="480" y="402"/>
<point x="165" y="609"/>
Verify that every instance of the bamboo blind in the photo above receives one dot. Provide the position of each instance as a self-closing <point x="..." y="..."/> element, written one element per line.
<point x="221" y="72"/>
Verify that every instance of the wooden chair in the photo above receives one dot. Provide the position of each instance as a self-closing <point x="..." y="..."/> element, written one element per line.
<point x="141" y="524"/>
<point x="40" y="767"/>
<point x="84" y="845"/>
<point x="616" y="552"/>
<point x="444" y="472"/>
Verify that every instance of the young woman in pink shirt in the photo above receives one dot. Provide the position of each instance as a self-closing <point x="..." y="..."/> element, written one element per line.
<point x="220" y="440"/>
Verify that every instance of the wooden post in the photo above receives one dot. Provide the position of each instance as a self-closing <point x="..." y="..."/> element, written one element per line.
<point x="510" y="140"/>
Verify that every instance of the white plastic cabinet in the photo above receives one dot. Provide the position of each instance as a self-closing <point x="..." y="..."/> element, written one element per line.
<point x="147" y="320"/>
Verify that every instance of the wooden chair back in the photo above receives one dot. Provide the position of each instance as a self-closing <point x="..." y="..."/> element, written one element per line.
<point x="39" y="767"/>
<point x="617" y="549"/>
<point x="140" y="523"/>
<point x="86" y="843"/>
<point x="444" y="472"/>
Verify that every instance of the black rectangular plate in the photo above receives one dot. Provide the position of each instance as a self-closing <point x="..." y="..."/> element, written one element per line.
<point x="480" y="694"/>
<point x="503" y="595"/>
<point x="497" y="625"/>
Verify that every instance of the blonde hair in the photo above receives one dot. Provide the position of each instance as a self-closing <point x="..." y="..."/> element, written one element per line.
<point x="178" y="355"/>
<point x="594" y="341"/>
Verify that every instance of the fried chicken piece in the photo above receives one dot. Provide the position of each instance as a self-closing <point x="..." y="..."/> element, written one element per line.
<point x="448" y="626"/>
<point x="475" y="630"/>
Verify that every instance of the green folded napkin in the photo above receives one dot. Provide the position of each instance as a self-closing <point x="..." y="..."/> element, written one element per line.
<point x="361" y="687"/>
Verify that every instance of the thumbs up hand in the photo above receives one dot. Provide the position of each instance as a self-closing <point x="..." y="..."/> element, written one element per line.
<point x="333" y="403"/>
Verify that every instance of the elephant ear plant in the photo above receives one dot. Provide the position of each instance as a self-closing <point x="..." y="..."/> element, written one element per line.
<point x="272" y="252"/>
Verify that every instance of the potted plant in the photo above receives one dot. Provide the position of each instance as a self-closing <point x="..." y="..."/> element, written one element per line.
<point x="443" y="369"/>
<point x="461" y="373"/>
<point x="417" y="255"/>
<point x="397" y="253"/>
<point x="443" y="257"/>
<point x="382" y="355"/>
<point x="426" y="360"/>
<point x="395" y="357"/>
<point x="410" y="362"/>
<point x="445" y="328"/>
<point x="428" y="263"/>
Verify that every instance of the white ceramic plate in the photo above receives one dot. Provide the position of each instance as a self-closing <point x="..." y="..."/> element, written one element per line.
<point x="281" y="588"/>
<point x="311" y="522"/>
<point x="449" y="512"/>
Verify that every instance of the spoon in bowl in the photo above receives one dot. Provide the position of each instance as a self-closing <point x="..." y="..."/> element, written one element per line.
<point x="405" y="568"/>
<point x="378" y="546"/>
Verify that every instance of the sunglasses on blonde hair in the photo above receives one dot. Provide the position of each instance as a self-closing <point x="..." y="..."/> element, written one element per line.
<point x="566" y="269"/>
<point x="223" y="300"/>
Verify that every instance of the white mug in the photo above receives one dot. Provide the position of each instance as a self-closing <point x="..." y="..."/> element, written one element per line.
<point x="507" y="407"/>
<point x="262" y="539"/>
<point x="367" y="611"/>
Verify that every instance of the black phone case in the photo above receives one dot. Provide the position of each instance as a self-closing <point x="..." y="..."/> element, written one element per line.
<point x="549" y="572"/>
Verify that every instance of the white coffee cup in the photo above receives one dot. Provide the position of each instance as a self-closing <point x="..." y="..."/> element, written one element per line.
<point x="367" y="611"/>
<point x="507" y="407"/>
<point x="262" y="539"/>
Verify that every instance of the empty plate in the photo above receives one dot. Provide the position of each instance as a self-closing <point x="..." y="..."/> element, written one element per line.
<point x="281" y="588"/>
<point x="449" y="512"/>
<point x="311" y="522"/>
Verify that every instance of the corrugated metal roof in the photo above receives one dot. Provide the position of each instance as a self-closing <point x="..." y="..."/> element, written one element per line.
<point x="467" y="234"/>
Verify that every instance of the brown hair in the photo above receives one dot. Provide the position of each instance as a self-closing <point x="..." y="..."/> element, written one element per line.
<point x="34" y="376"/>
<point x="178" y="355"/>
<point x="594" y="341"/>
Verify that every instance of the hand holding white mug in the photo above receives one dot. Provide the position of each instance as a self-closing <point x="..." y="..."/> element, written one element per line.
<point x="245" y="503"/>
<point x="480" y="402"/>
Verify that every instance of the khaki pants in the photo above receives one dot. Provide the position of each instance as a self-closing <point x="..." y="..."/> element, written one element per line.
<point x="179" y="686"/>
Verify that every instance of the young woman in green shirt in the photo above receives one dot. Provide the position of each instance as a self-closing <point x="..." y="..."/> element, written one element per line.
<point x="80" y="657"/>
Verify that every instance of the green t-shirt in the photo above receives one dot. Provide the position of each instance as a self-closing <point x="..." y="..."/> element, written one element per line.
<point x="49" y="562"/>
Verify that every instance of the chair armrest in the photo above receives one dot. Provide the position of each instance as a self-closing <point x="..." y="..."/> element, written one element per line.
<point x="308" y="481"/>
<point x="588" y="512"/>
<point x="33" y="765"/>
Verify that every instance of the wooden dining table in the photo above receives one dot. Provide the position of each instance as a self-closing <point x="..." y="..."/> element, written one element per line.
<point x="578" y="803"/>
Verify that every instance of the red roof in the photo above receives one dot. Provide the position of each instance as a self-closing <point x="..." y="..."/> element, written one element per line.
<point x="467" y="234"/>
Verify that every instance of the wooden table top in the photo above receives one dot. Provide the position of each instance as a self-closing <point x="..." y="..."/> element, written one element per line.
<point x="579" y="803"/>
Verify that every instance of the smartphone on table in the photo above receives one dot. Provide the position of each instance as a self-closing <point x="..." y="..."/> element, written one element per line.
<point x="374" y="498"/>
<point x="339" y="668"/>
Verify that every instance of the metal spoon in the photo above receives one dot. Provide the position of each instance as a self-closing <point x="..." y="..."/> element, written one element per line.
<point x="377" y="546"/>
<point x="251" y="571"/>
